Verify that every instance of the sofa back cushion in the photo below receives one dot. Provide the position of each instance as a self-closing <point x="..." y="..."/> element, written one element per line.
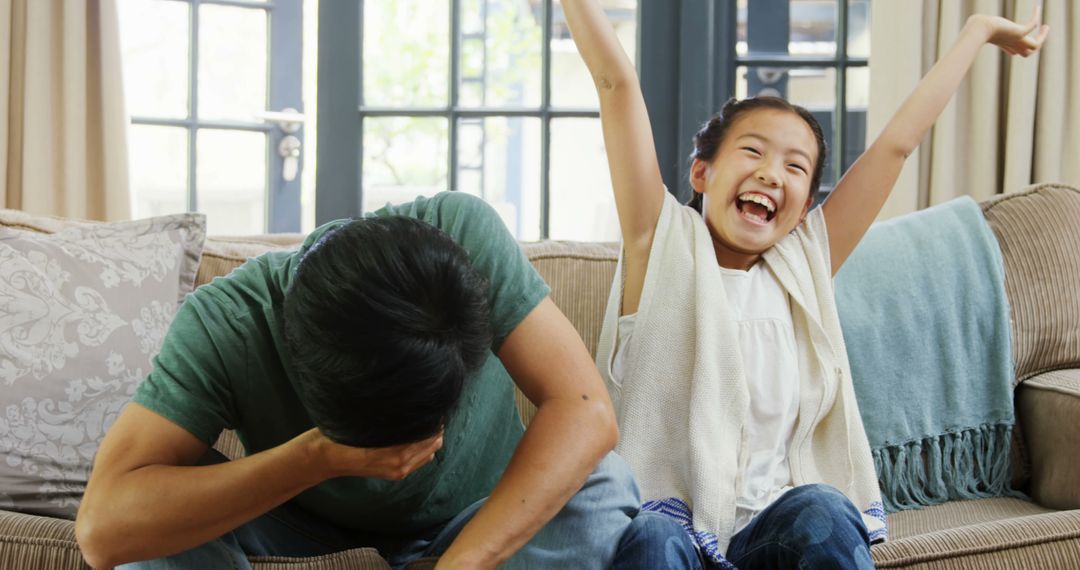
<point x="580" y="275"/>
<point x="1039" y="232"/>
<point x="223" y="254"/>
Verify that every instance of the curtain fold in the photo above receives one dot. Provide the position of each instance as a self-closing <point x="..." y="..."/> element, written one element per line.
<point x="1009" y="125"/>
<point x="63" y="126"/>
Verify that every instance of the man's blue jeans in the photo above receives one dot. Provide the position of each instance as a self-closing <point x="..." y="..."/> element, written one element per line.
<point x="585" y="534"/>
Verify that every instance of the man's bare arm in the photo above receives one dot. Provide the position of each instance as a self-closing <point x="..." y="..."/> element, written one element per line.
<point x="146" y="500"/>
<point x="573" y="429"/>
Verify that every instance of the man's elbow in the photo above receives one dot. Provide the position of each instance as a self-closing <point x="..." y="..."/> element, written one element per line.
<point x="606" y="426"/>
<point x="92" y="537"/>
<point x="611" y="434"/>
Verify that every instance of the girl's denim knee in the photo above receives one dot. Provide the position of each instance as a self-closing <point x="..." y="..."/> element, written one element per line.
<point x="810" y="526"/>
<point x="655" y="540"/>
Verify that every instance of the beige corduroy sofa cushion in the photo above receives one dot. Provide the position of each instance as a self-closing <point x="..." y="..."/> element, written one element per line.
<point x="580" y="276"/>
<point x="1048" y="406"/>
<point x="1022" y="542"/>
<point x="223" y="254"/>
<point x="29" y="542"/>
<point x="1038" y="230"/>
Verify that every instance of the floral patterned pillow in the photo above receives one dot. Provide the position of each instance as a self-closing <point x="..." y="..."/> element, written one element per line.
<point x="82" y="312"/>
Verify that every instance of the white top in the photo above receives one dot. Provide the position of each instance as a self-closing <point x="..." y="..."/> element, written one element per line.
<point x="684" y="399"/>
<point x="762" y="311"/>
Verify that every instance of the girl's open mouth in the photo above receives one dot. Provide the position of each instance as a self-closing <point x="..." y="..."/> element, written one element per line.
<point x="755" y="207"/>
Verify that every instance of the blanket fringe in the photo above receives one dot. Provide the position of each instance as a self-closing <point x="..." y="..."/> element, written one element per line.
<point x="969" y="464"/>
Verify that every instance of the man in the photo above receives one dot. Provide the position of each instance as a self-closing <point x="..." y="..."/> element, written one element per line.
<point x="368" y="375"/>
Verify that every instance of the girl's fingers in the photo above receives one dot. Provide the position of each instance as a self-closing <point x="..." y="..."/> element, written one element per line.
<point x="1043" y="32"/>
<point x="1035" y="43"/>
<point x="1031" y="24"/>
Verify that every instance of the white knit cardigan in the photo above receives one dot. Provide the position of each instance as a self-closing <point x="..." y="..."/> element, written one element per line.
<point x="683" y="400"/>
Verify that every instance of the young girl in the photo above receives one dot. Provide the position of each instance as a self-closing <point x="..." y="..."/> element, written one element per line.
<point x="721" y="346"/>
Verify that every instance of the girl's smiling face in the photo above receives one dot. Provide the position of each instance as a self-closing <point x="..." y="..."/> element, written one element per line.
<point x="757" y="188"/>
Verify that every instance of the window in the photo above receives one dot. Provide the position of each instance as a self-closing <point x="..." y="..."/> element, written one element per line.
<point x="488" y="97"/>
<point x="698" y="53"/>
<point x="813" y="53"/>
<point x="200" y="77"/>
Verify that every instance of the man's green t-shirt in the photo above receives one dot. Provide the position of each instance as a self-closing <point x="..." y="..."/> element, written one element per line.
<point x="224" y="364"/>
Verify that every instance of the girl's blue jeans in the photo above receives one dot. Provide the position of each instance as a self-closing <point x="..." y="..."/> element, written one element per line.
<point x="810" y="527"/>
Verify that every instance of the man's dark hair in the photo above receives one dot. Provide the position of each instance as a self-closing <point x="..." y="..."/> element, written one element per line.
<point x="385" y="321"/>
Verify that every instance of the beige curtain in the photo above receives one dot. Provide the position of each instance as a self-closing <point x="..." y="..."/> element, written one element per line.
<point x="63" y="148"/>
<point x="1013" y="122"/>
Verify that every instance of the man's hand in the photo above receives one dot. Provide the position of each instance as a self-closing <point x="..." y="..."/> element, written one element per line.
<point x="390" y="463"/>
<point x="1012" y="37"/>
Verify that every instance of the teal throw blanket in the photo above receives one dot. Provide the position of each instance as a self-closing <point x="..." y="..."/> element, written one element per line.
<point x="926" y="322"/>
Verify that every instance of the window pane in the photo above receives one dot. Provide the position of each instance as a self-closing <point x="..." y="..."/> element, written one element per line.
<point x="154" y="40"/>
<point x="858" y="101"/>
<point x="813" y="27"/>
<point x="858" y="28"/>
<point x="404" y="157"/>
<point x="571" y="84"/>
<point x="232" y="62"/>
<point x="500" y="53"/>
<point x="310" y="151"/>
<point x="499" y="160"/>
<point x="159" y="169"/>
<point x="406" y="53"/>
<point x="740" y="26"/>
<point x="582" y="203"/>
<point x="813" y="88"/>
<point x="231" y="181"/>
<point x="799" y="27"/>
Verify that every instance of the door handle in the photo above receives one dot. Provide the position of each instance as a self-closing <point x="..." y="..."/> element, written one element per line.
<point x="289" y="149"/>
<point x="289" y="120"/>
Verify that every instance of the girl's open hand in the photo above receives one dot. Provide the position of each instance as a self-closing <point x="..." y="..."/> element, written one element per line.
<point x="1012" y="37"/>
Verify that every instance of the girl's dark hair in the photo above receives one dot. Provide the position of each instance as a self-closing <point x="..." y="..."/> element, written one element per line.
<point x="385" y="321"/>
<point x="708" y="139"/>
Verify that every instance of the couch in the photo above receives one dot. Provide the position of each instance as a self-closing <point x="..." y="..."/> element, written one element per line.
<point x="1038" y="230"/>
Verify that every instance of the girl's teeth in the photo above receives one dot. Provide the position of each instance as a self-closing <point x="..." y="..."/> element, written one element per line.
<point x="761" y="200"/>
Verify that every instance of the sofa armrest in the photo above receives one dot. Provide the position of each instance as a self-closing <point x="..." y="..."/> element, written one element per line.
<point x="1048" y="409"/>
<point x="30" y="542"/>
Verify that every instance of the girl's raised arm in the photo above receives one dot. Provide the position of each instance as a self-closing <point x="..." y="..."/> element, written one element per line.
<point x="862" y="192"/>
<point x="635" y="172"/>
